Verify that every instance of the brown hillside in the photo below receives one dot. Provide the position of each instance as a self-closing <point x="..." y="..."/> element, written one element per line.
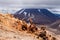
<point x="14" y="29"/>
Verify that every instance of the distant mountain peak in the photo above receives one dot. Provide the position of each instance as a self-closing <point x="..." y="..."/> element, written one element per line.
<point x="38" y="15"/>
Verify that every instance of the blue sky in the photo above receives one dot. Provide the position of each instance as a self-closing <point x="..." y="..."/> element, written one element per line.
<point x="54" y="5"/>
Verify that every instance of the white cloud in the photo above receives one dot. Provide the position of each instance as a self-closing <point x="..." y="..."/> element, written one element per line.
<point x="55" y="10"/>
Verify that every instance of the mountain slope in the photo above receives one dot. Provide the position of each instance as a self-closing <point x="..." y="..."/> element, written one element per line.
<point x="10" y="29"/>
